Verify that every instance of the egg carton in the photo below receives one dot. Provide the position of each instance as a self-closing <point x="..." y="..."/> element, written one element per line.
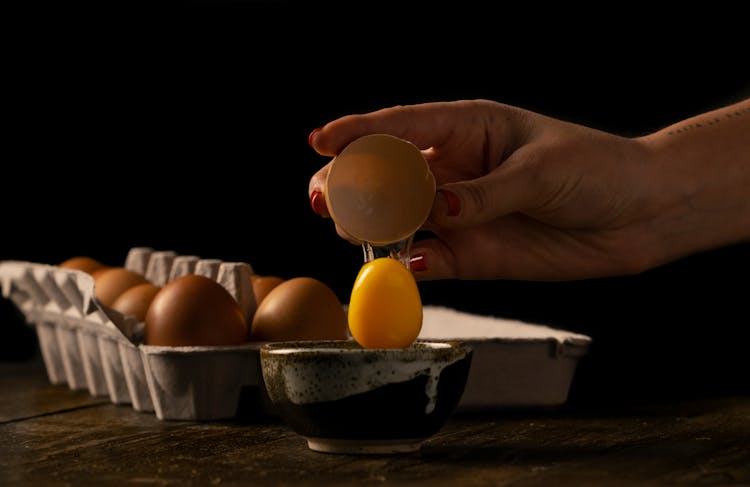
<point x="91" y="347"/>
<point x="515" y="364"/>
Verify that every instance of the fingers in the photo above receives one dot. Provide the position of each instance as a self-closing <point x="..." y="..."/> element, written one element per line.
<point x="511" y="187"/>
<point x="318" y="201"/>
<point x="316" y="191"/>
<point x="432" y="127"/>
<point x="423" y="124"/>
<point x="431" y="259"/>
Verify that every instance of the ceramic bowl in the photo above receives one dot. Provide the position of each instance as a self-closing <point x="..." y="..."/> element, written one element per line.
<point x="343" y="398"/>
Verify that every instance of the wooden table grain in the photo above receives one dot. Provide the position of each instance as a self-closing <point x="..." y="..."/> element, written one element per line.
<point x="50" y="435"/>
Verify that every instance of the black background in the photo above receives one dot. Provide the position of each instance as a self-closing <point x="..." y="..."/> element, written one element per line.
<point x="184" y="126"/>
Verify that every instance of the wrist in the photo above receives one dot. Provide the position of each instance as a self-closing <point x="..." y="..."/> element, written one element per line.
<point x="702" y="170"/>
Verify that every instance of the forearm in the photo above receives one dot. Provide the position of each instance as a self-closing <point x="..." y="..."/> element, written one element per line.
<point x="703" y="165"/>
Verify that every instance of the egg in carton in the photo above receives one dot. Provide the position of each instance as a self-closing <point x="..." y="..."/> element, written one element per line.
<point x="89" y="346"/>
<point x="205" y="382"/>
<point x="201" y="382"/>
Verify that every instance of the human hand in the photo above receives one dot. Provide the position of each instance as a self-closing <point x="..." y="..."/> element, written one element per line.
<point x="524" y="196"/>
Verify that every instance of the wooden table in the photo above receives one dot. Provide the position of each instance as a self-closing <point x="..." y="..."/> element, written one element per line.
<point x="50" y="435"/>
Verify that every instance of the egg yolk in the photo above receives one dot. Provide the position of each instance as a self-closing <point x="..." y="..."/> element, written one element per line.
<point x="385" y="309"/>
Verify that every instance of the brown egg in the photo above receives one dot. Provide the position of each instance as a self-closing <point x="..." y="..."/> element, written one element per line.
<point x="194" y="310"/>
<point x="82" y="263"/>
<point x="301" y="308"/>
<point x="136" y="300"/>
<point x="110" y="283"/>
<point x="262" y="285"/>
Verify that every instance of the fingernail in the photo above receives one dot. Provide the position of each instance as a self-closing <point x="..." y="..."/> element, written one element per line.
<point x="452" y="201"/>
<point x="417" y="263"/>
<point x="318" y="204"/>
<point x="313" y="135"/>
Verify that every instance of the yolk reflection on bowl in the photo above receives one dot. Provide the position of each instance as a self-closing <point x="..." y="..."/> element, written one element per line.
<point x="385" y="309"/>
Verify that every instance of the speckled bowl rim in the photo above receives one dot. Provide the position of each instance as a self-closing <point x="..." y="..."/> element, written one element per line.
<point x="336" y="348"/>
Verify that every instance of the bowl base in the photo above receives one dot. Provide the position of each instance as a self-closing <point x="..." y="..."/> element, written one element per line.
<point x="364" y="447"/>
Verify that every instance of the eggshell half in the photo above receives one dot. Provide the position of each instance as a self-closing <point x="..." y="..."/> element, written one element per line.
<point x="380" y="189"/>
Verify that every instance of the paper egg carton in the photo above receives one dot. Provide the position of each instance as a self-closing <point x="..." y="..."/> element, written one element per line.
<point x="91" y="347"/>
<point x="515" y="365"/>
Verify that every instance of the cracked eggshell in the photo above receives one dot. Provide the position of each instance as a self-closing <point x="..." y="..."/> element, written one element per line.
<point x="380" y="189"/>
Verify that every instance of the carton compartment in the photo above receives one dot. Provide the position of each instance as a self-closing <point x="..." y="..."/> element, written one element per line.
<point x="51" y="354"/>
<point x="135" y="376"/>
<point x="92" y="348"/>
<point x="114" y="372"/>
<point x="201" y="383"/>
<point x="91" y="360"/>
<point x="71" y="355"/>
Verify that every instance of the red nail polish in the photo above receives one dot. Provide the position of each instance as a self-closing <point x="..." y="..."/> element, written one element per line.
<point x="318" y="204"/>
<point x="313" y="134"/>
<point x="454" y="204"/>
<point x="417" y="263"/>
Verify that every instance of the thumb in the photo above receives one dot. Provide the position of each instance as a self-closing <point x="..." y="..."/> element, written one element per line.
<point x="508" y="189"/>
